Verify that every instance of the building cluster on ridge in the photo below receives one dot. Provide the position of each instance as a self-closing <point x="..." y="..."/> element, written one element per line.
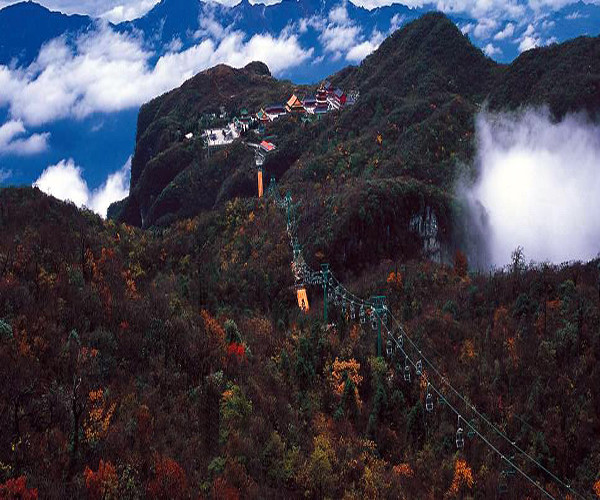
<point x="327" y="99"/>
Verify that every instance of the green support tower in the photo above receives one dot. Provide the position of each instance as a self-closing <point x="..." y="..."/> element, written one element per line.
<point x="325" y="273"/>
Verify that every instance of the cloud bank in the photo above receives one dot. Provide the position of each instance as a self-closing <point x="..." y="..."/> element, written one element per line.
<point x="13" y="140"/>
<point x="539" y="183"/>
<point x="65" y="181"/>
<point x="106" y="71"/>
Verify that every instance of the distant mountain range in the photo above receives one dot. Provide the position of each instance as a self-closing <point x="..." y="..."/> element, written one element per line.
<point x="175" y="25"/>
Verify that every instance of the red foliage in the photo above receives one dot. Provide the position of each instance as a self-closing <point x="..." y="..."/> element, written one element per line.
<point x="16" y="488"/>
<point x="224" y="491"/>
<point x="237" y="352"/>
<point x="102" y="484"/>
<point x="169" y="482"/>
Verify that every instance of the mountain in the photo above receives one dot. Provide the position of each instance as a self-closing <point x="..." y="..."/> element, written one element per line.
<point x="173" y="360"/>
<point x="166" y="169"/>
<point x="36" y="26"/>
<point x="420" y="91"/>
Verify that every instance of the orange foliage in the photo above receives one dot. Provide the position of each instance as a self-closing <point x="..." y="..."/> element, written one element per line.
<point x="403" y="470"/>
<point x="395" y="280"/>
<point x="340" y="369"/>
<point x="468" y="350"/>
<point x="101" y="485"/>
<point x="96" y="425"/>
<point x="463" y="476"/>
<point x="512" y="349"/>
<point x="17" y="488"/>
<point x="169" y="482"/>
<point x="213" y="328"/>
<point x="597" y="488"/>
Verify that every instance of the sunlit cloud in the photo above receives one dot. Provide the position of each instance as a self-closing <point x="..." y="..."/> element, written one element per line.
<point x="14" y="140"/>
<point x="539" y="182"/>
<point x="65" y="181"/>
<point x="107" y="71"/>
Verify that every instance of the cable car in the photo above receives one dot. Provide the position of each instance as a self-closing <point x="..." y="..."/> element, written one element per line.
<point x="429" y="403"/>
<point x="429" y="400"/>
<point x="389" y="348"/>
<point x="401" y="340"/>
<point x="419" y="368"/>
<point x="460" y="438"/>
<point x="406" y="371"/>
<point x="374" y="319"/>
<point x="363" y="316"/>
<point x="352" y="311"/>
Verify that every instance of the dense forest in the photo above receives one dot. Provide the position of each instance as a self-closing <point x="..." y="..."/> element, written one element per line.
<point x="172" y="360"/>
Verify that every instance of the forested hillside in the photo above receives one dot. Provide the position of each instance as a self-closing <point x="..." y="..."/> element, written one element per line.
<point x="176" y="364"/>
<point x="172" y="360"/>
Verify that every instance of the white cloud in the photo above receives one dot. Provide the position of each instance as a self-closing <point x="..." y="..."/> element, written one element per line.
<point x="491" y="51"/>
<point x="507" y="32"/>
<point x="108" y="71"/>
<point x="65" y="181"/>
<point x="362" y="50"/>
<point x="540" y="185"/>
<point x="175" y="45"/>
<point x="575" y="15"/>
<point x="13" y="140"/>
<point x="484" y="28"/>
<point x="5" y="175"/>
<point x="114" y="11"/>
<point x="467" y="28"/>
<point x="127" y="11"/>
<point x="341" y="37"/>
<point x="529" y="39"/>
<point x="396" y="22"/>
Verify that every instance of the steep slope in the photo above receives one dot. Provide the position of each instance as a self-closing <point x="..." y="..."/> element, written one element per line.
<point x="162" y="153"/>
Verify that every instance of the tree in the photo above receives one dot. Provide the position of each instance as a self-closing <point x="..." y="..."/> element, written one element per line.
<point x="16" y="489"/>
<point x="517" y="258"/>
<point x="169" y="481"/>
<point x="461" y="265"/>
<point x="102" y="484"/>
<point x="463" y="477"/>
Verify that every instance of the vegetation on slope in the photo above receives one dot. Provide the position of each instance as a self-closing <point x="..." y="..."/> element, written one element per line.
<point x="175" y="364"/>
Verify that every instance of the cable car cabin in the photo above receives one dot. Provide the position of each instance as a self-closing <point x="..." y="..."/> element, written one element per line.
<point x="460" y="438"/>
<point x="302" y="299"/>
<point x="429" y="403"/>
<point x="389" y="348"/>
<point x="407" y="372"/>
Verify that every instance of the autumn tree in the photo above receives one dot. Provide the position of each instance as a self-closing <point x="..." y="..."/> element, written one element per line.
<point x="169" y="481"/>
<point x="463" y="479"/>
<point x="102" y="484"/>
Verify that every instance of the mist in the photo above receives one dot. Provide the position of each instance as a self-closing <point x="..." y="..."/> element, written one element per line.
<point x="537" y="186"/>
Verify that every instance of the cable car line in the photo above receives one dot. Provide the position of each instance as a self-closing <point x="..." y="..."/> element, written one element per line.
<point x="342" y="296"/>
